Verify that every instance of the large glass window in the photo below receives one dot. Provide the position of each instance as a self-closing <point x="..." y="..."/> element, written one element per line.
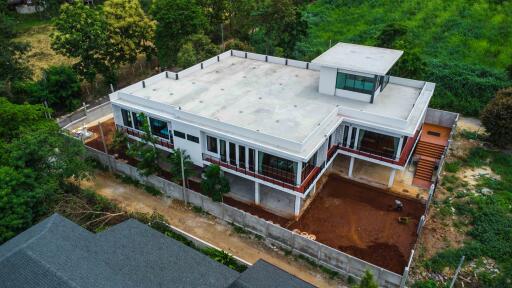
<point x="211" y="144"/>
<point x="232" y="153"/>
<point x="127" y="119"/>
<point x="159" y="128"/>
<point x="138" y="119"/>
<point x="241" y="156"/>
<point x="223" y="154"/>
<point x="378" y="144"/>
<point x="355" y="83"/>
<point x="251" y="159"/>
<point x="276" y="167"/>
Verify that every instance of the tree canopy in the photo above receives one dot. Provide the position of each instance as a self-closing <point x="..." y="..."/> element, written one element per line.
<point x="131" y="31"/>
<point x="81" y="33"/>
<point x="35" y="163"/>
<point x="177" y="19"/>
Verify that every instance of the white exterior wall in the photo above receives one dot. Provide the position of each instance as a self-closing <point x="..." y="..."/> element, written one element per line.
<point x="327" y="83"/>
<point x="353" y="95"/>
<point x="193" y="149"/>
<point x="118" y="117"/>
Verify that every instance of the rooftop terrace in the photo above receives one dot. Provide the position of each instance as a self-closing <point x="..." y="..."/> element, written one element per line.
<point x="270" y="96"/>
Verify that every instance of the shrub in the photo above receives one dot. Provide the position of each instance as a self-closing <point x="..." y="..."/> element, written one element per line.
<point x="367" y="281"/>
<point x="452" y="167"/>
<point x="215" y="184"/>
<point x="497" y="118"/>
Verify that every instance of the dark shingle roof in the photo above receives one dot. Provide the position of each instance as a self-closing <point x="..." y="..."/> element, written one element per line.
<point x="59" y="253"/>
<point x="263" y="275"/>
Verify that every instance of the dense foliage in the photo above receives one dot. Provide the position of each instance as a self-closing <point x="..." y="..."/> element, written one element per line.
<point x="13" y="66"/>
<point x="59" y="88"/>
<point x="35" y="163"/>
<point x="497" y="118"/>
<point x="214" y="183"/>
<point x="466" y="45"/>
<point x="175" y="161"/>
<point x="177" y="20"/>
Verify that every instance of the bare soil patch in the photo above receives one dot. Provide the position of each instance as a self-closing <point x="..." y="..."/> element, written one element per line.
<point x="360" y="220"/>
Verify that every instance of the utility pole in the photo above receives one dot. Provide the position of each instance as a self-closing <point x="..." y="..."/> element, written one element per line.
<point x="457" y="271"/>
<point x="104" y="145"/>
<point x="183" y="178"/>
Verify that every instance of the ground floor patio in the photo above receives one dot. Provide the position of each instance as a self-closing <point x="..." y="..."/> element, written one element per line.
<point x="379" y="176"/>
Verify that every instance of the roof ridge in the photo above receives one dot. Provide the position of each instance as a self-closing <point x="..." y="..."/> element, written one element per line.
<point x="50" y="220"/>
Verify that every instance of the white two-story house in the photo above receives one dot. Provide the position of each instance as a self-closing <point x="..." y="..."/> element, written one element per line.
<point x="278" y="123"/>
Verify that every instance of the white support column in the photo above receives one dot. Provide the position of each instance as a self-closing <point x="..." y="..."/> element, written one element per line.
<point x="391" y="178"/>
<point x="256" y="161"/>
<point x="297" y="205"/>
<point x="227" y="151"/>
<point x="351" y="167"/>
<point x="257" y="193"/>
<point x="298" y="180"/>
<point x="349" y="136"/>
<point x="237" y="150"/>
<point x="399" y="148"/>
<point x="356" y="146"/>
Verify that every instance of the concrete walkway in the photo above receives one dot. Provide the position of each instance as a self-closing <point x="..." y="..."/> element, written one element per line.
<point x="205" y="227"/>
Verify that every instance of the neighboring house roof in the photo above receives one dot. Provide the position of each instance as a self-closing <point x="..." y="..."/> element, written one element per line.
<point x="59" y="253"/>
<point x="359" y="58"/>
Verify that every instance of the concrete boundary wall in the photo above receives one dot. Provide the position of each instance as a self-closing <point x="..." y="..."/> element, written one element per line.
<point x="275" y="235"/>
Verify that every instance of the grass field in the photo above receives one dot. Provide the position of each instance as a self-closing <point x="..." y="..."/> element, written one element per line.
<point x="467" y="45"/>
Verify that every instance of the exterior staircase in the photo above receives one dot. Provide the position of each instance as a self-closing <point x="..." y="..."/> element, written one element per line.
<point x="429" y="153"/>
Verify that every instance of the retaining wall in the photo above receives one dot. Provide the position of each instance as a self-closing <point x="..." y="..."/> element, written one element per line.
<point x="336" y="260"/>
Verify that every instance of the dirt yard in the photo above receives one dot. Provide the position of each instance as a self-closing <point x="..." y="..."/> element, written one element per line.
<point x="360" y="220"/>
<point x="205" y="227"/>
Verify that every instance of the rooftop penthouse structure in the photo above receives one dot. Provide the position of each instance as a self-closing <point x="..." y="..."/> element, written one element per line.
<point x="278" y="123"/>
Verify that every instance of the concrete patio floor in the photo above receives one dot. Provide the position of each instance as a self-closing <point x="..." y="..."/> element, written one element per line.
<point x="378" y="176"/>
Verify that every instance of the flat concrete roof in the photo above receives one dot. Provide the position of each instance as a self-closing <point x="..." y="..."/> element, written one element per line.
<point x="272" y="99"/>
<point x="269" y="98"/>
<point x="359" y="58"/>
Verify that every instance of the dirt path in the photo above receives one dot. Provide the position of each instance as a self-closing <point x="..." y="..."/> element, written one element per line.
<point x="470" y="124"/>
<point x="207" y="228"/>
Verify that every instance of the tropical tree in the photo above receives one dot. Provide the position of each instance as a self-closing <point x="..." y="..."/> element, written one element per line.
<point x="197" y="48"/>
<point x="175" y="161"/>
<point x="497" y="118"/>
<point x="81" y="33"/>
<point x="119" y="142"/>
<point x="13" y="65"/>
<point x="236" y="44"/>
<point x="216" y="13"/>
<point x="187" y="56"/>
<point x="145" y="150"/>
<point x="61" y="88"/>
<point x="131" y="32"/>
<point x="214" y="183"/>
<point x="281" y="24"/>
<point x="176" y="20"/>
<point x="36" y="163"/>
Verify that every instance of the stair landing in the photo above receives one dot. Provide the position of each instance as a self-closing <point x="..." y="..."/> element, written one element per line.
<point x="432" y="142"/>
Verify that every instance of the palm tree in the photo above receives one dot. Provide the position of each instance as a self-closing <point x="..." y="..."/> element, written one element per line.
<point x="175" y="160"/>
<point x="214" y="183"/>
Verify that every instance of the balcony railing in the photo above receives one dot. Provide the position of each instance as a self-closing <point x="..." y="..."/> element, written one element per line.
<point x="139" y="134"/>
<point x="269" y="174"/>
<point x="384" y="157"/>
